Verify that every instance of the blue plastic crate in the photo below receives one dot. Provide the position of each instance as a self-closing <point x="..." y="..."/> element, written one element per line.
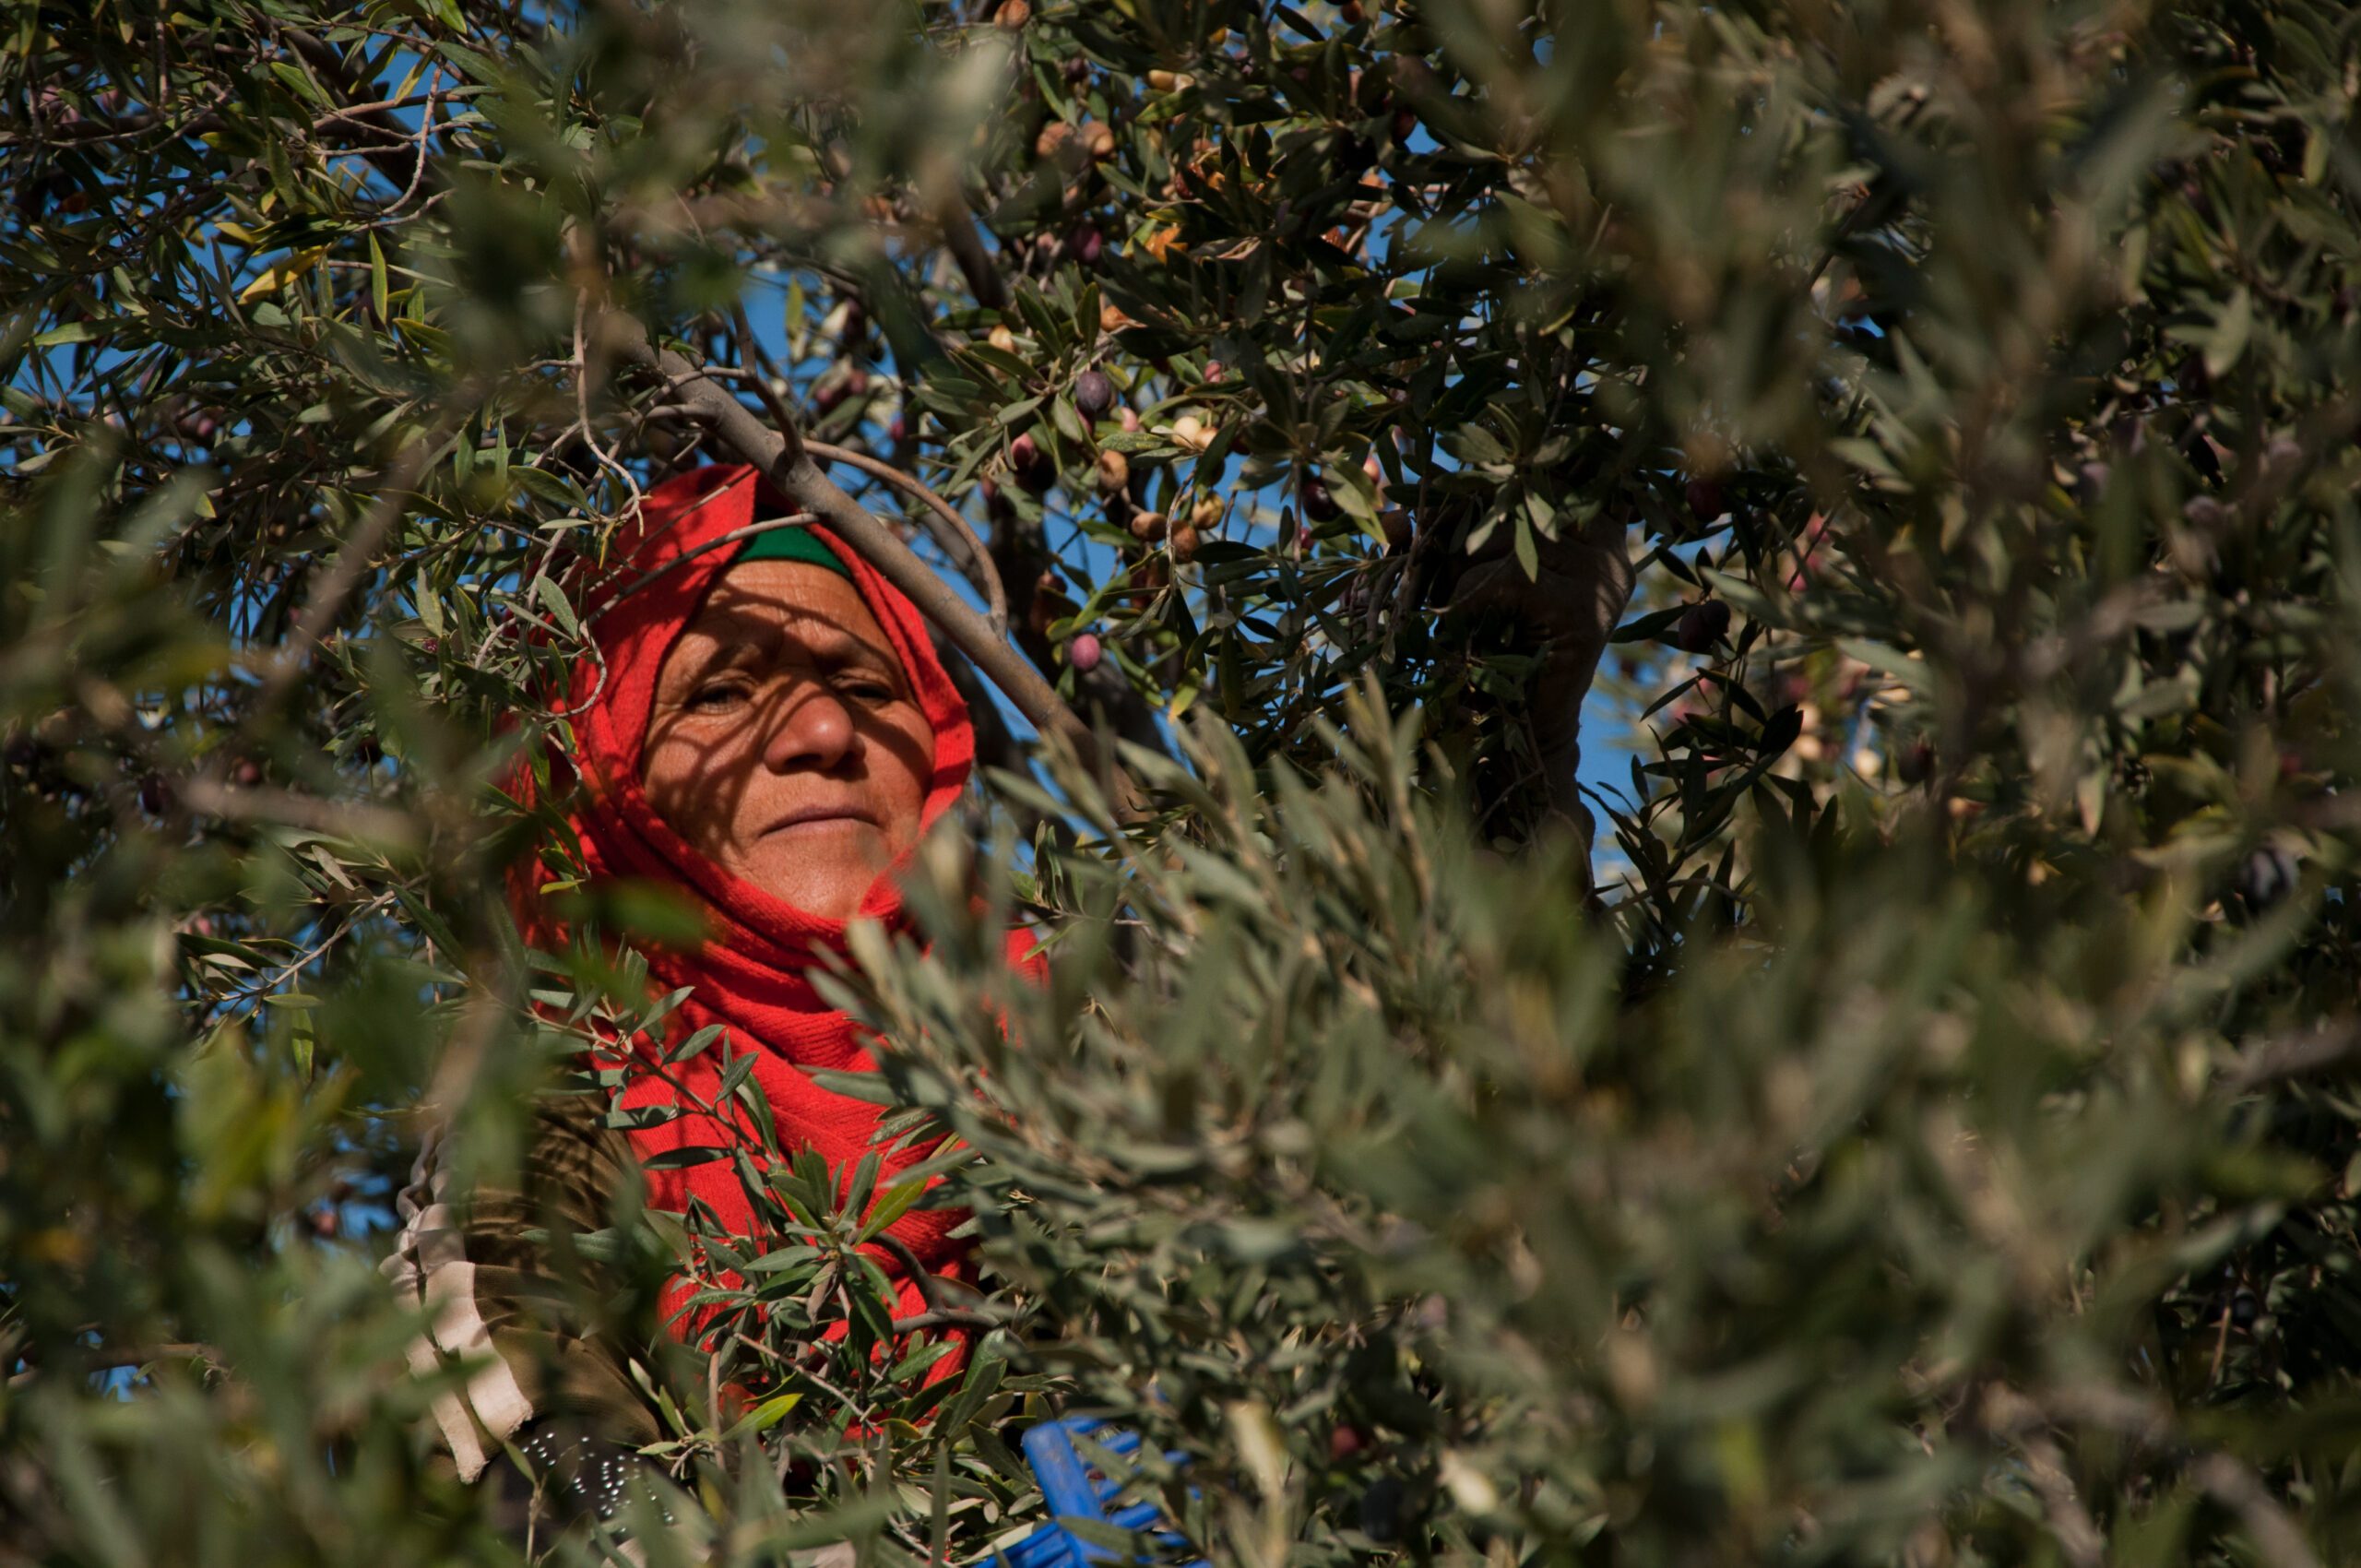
<point x="1075" y="1490"/>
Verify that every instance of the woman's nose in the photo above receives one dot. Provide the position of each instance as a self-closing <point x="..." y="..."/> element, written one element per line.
<point x="813" y="729"/>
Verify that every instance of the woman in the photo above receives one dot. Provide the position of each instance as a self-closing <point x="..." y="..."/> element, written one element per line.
<point x="768" y="731"/>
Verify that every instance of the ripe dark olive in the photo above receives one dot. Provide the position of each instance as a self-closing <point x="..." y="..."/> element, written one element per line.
<point x="1701" y="625"/>
<point x="1078" y="70"/>
<point x="1705" y="500"/>
<point x="155" y="796"/>
<point x="1094" y="393"/>
<point x="1031" y="466"/>
<point x="432" y="645"/>
<point x="1396" y="521"/>
<point x="2245" y="1307"/>
<point x="1916" y="762"/>
<point x="1318" y="504"/>
<point x="248" y="773"/>
<point x="1086" y="245"/>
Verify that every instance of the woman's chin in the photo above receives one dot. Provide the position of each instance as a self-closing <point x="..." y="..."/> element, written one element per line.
<point x="821" y="871"/>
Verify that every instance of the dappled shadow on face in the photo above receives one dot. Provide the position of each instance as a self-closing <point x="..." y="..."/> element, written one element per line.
<point x="785" y="741"/>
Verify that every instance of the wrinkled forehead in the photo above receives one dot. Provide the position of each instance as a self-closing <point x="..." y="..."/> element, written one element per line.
<point x="788" y="593"/>
<point x="776" y="606"/>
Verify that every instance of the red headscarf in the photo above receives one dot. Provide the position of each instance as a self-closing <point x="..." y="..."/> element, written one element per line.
<point x="752" y="974"/>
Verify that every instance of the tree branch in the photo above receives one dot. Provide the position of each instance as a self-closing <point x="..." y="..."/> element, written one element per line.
<point x="941" y="520"/>
<point x="966" y="248"/>
<point x="1571" y="605"/>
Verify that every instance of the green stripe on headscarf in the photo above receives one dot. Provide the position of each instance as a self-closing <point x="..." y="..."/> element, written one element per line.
<point x="791" y="545"/>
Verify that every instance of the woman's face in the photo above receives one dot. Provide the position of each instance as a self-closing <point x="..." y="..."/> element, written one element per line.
<point x="785" y="741"/>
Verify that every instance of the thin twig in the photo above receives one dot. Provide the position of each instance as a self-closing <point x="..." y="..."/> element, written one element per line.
<point x="914" y="1266"/>
<point x="947" y="1317"/>
<point x="769" y="525"/>
<point x="951" y="530"/>
<point x="353" y="561"/>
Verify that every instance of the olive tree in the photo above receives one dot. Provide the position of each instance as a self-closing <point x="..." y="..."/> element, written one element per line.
<point x="1671" y="682"/>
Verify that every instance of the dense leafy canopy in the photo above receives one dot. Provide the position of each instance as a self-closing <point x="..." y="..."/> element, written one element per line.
<point x="1891" y="1099"/>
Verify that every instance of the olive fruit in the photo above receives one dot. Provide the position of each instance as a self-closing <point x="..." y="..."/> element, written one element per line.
<point x="1094" y="393"/>
<point x="1147" y="526"/>
<point x="1114" y="472"/>
<point x="1318" y="504"/>
<point x="1084" y="652"/>
<point x="1033" y="468"/>
<point x="1701" y="625"/>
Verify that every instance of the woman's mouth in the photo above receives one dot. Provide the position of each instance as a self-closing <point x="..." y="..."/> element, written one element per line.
<point x="810" y="818"/>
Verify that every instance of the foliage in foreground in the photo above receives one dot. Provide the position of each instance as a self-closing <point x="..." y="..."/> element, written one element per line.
<point x="1941" y="1146"/>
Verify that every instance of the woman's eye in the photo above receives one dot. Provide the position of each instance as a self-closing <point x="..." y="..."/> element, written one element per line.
<point x="720" y="694"/>
<point x="867" y="688"/>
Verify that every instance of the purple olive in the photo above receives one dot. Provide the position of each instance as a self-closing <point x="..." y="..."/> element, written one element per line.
<point x="1094" y="393"/>
<point x="1318" y="504"/>
<point x="1701" y="625"/>
<point x="1033" y="468"/>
